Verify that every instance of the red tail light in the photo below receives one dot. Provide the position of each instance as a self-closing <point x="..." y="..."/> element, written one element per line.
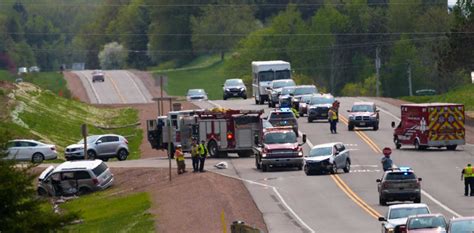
<point x="230" y="136"/>
<point x="96" y="181"/>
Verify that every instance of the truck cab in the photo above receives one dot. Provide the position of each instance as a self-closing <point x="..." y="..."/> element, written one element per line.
<point x="278" y="147"/>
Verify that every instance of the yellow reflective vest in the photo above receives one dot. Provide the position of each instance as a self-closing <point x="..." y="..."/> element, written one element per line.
<point x="178" y="154"/>
<point x="332" y="114"/>
<point x="202" y="150"/>
<point x="468" y="172"/>
<point x="195" y="150"/>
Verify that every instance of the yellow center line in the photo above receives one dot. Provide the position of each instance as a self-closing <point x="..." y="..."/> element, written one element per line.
<point x="116" y="89"/>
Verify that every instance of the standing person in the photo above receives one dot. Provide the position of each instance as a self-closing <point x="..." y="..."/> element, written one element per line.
<point x="202" y="155"/>
<point x="386" y="162"/>
<point x="332" y="117"/>
<point x="195" y="155"/>
<point x="468" y="175"/>
<point x="179" y="155"/>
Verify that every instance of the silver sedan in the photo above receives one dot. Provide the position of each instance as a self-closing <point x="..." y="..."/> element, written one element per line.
<point x="30" y="150"/>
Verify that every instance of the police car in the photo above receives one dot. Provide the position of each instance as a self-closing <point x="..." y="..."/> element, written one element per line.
<point x="399" y="184"/>
<point x="283" y="117"/>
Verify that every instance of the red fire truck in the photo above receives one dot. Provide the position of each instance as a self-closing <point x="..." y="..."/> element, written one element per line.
<point x="430" y="125"/>
<point x="224" y="130"/>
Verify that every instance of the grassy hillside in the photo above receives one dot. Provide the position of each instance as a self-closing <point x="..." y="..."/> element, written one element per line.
<point x="35" y="113"/>
<point x="463" y="95"/>
<point x="52" y="81"/>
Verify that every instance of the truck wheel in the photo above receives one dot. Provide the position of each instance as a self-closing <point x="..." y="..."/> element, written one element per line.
<point x="397" y="143"/>
<point x="382" y="201"/>
<point x="257" y="164"/>
<point x="417" y="145"/>
<point x="212" y="148"/>
<point x="451" y="147"/>
<point x="264" y="168"/>
<point x="350" y="127"/>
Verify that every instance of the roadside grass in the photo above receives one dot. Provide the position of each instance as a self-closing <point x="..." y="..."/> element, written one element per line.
<point x="210" y="78"/>
<point x="52" y="81"/>
<point x="463" y="95"/>
<point x="199" y="62"/>
<point x="102" y="212"/>
<point x="42" y="115"/>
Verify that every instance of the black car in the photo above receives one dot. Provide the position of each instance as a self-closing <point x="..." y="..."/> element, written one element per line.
<point x="399" y="184"/>
<point x="318" y="107"/>
<point x="234" y="88"/>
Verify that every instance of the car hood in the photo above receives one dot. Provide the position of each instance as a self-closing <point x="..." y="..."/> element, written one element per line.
<point x="46" y="172"/>
<point x="318" y="158"/>
<point x="430" y="230"/>
<point x="320" y="105"/>
<point x="397" y="221"/>
<point x="292" y="146"/>
<point x="75" y="146"/>
<point x="238" y="86"/>
<point x="361" y="114"/>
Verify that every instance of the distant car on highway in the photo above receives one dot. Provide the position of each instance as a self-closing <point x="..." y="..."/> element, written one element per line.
<point x="234" y="88"/>
<point x="282" y="117"/>
<point x="426" y="223"/>
<point x="303" y="104"/>
<point x="461" y="225"/>
<point x="363" y="114"/>
<point x="98" y="76"/>
<point x="22" y="70"/>
<point x="318" y="107"/>
<point x="196" y="94"/>
<point x="284" y="100"/>
<point x="300" y="91"/>
<point x="396" y="217"/>
<point x="34" y="69"/>
<point x="275" y="89"/>
<point x="399" y="184"/>
<point x="327" y="157"/>
<point x="30" y="150"/>
<point x="99" y="147"/>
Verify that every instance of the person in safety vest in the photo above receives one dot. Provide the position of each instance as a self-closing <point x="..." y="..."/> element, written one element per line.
<point x="179" y="156"/>
<point x="332" y="117"/>
<point x="468" y="176"/>
<point x="195" y="155"/>
<point x="202" y="155"/>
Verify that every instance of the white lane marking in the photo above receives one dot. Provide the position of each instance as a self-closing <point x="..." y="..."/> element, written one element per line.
<point x="277" y="193"/>
<point x="360" y="165"/>
<point x="89" y="81"/>
<point x="440" y="204"/>
<point x="136" y="86"/>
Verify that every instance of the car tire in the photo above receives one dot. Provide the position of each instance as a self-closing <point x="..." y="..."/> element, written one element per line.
<point x="397" y="143"/>
<point x="83" y="191"/>
<point x="376" y="127"/>
<point x="451" y="147"/>
<point x="256" y="101"/>
<point x="417" y="200"/>
<point x="347" y="168"/>
<point x="350" y="127"/>
<point x="300" y="167"/>
<point x="91" y="155"/>
<point x="310" y="120"/>
<point x="334" y="169"/>
<point x="257" y="164"/>
<point x="264" y="168"/>
<point x="301" y="114"/>
<point x="382" y="201"/>
<point x="245" y="97"/>
<point x="417" y="145"/>
<point x="37" y="158"/>
<point x="224" y="98"/>
<point x="42" y="193"/>
<point x="122" y="154"/>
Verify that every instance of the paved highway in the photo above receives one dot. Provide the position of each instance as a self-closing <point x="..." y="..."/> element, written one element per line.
<point x="119" y="87"/>
<point x="293" y="202"/>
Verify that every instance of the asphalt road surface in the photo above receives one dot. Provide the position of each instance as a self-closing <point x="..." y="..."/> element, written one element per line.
<point x="293" y="202"/>
<point x="119" y="87"/>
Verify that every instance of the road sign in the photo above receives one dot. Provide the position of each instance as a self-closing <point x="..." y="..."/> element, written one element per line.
<point x="387" y="151"/>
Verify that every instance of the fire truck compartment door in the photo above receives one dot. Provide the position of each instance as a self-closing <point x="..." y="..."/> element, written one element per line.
<point x="223" y="133"/>
<point x="244" y="138"/>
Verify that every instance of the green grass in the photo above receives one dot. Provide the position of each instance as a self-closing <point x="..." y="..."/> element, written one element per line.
<point x="463" y="95"/>
<point x="52" y="81"/>
<point x="209" y="78"/>
<point x="104" y="213"/>
<point x="43" y="115"/>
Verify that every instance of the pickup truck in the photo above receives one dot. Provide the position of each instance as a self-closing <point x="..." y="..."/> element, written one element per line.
<point x="278" y="148"/>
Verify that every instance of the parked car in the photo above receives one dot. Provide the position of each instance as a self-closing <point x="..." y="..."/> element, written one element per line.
<point x="426" y="223"/>
<point x="396" y="217"/>
<point x="196" y="94"/>
<point x="318" y="107"/>
<point x="461" y="225"/>
<point x="22" y="70"/>
<point x="78" y="177"/>
<point x="327" y="157"/>
<point x="34" y="69"/>
<point x="234" y="88"/>
<point x="399" y="184"/>
<point x="98" y="76"/>
<point x="275" y="88"/>
<point x="30" y="150"/>
<point x="303" y="104"/>
<point x="101" y="147"/>
<point x="300" y="91"/>
<point x="363" y="114"/>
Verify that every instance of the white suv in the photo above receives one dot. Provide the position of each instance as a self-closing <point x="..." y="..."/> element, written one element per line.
<point x="78" y="177"/>
<point x="99" y="146"/>
<point x="397" y="215"/>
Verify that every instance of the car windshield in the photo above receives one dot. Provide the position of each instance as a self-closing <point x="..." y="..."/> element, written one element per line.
<point x="362" y="108"/>
<point x="462" y="226"/>
<point x="321" y="100"/>
<point x="281" y="115"/>
<point x="280" y="84"/>
<point x="426" y="222"/>
<point x="321" y="151"/>
<point x="266" y="76"/>
<point x="280" y="137"/>
<point x="305" y="90"/>
<point x="90" y="139"/>
<point x="234" y="82"/>
<point x="400" y="176"/>
<point x="196" y="92"/>
<point x="287" y="90"/>
<point x="405" y="212"/>
<point x="282" y="74"/>
<point x="266" y="124"/>
<point x="306" y="99"/>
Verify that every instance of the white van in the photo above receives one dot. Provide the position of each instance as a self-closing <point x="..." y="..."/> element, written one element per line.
<point x="263" y="73"/>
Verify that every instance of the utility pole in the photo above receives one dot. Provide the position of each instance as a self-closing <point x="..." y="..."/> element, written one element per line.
<point x="377" y="68"/>
<point x="410" y="90"/>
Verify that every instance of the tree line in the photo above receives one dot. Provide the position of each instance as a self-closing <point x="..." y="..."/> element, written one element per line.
<point x="332" y="43"/>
